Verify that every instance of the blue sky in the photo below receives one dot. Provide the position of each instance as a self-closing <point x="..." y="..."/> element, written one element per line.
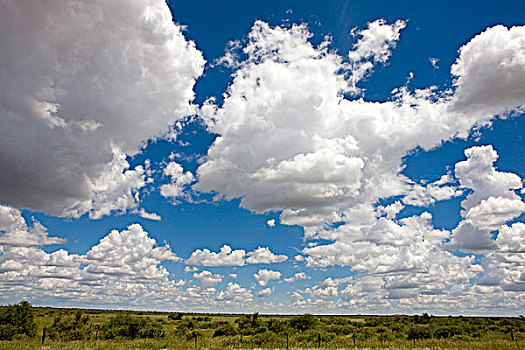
<point x="280" y="156"/>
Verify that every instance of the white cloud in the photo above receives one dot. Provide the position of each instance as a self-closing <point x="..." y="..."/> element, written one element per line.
<point x="266" y="292"/>
<point x="492" y="202"/>
<point x="150" y="216"/>
<point x="434" y="62"/>
<point x="392" y="210"/>
<point x="229" y="257"/>
<point x="469" y="238"/>
<point x="188" y="269"/>
<point x="493" y="212"/>
<point x="478" y="174"/>
<point x="129" y="253"/>
<point x="116" y="189"/>
<point x="208" y="279"/>
<point x="512" y="238"/>
<point x="179" y="181"/>
<point x="317" y="154"/>
<point x="271" y="223"/>
<point x="490" y="71"/>
<point x="15" y="232"/>
<point x="97" y="80"/>
<point x="298" y="276"/>
<point x="226" y="257"/>
<point x="235" y="293"/>
<point x="374" y="45"/>
<point x="427" y="194"/>
<point x="264" y="276"/>
<point x="263" y="255"/>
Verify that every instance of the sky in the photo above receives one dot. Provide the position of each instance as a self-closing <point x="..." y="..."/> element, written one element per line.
<point x="335" y="157"/>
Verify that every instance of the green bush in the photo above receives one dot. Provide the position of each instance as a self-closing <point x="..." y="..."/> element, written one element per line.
<point x="175" y="316"/>
<point x="71" y="328"/>
<point x="418" y="332"/>
<point x="304" y="322"/>
<point x="447" y="332"/>
<point x="250" y="324"/>
<point x="278" y="326"/>
<point x="312" y="337"/>
<point x="7" y="331"/>
<point x="125" y="326"/>
<point x="17" y="319"/>
<point x="265" y="338"/>
<point x="195" y="333"/>
<point x="225" y="330"/>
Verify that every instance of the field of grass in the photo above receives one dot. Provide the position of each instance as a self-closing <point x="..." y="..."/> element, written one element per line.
<point x="110" y="329"/>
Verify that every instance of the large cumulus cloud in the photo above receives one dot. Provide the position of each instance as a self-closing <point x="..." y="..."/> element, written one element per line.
<point x="289" y="139"/>
<point x="81" y="84"/>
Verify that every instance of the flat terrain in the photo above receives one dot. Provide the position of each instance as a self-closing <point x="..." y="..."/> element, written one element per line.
<point x="110" y="329"/>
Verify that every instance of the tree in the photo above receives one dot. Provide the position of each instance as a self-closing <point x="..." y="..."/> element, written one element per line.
<point x="303" y="322"/>
<point x="17" y="319"/>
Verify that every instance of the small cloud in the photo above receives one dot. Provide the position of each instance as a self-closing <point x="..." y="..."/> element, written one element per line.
<point x="208" y="279"/>
<point x="264" y="276"/>
<point x="233" y="275"/>
<point x="271" y="223"/>
<point x="434" y="62"/>
<point x="298" y="276"/>
<point x="188" y="269"/>
<point x="266" y="292"/>
<point x="263" y="255"/>
<point x="150" y="216"/>
<point x="226" y="257"/>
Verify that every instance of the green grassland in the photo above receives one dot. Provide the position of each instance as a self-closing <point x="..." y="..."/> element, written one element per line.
<point x="22" y="327"/>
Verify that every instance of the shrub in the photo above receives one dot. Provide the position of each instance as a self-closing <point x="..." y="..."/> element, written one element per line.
<point x="195" y="333"/>
<point x="277" y="326"/>
<point x="447" y="332"/>
<point x="264" y="338"/>
<point x="17" y="319"/>
<point x="418" y="332"/>
<point x="312" y="337"/>
<point x="175" y="316"/>
<point x="72" y="328"/>
<point x="125" y="326"/>
<point x="225" y="330"/>
<point x="302" y="323"/>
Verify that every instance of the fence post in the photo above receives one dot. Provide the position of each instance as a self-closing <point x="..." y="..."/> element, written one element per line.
<point x="43" y="335"/>
<point x="319" y="340"/>
<point x="286" y="341"/>
<point x="196" y="337"/>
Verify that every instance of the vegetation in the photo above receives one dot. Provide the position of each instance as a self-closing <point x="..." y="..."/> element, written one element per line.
<point x="26" y="327"/>
<point x="17" y="320"/>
